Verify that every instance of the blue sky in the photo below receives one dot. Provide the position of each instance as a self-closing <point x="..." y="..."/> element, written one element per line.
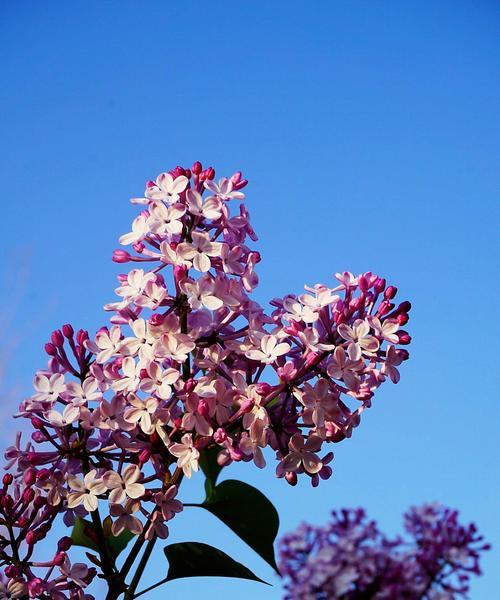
<point x="369" y="133"/>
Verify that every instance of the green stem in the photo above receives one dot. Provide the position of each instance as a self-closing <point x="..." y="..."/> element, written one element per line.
<point x="151" y="587"/>
<point x="130" y="593"/>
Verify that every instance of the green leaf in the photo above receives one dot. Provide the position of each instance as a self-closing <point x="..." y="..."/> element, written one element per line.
<point x="210" y="467"/>
<point x="194" y="559"/>
<point x="248" y="513"/>
<point x="84" y="534"/>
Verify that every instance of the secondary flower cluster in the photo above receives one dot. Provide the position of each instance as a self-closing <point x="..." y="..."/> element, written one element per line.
<point x="350" y="559"/>
<point x="189" y="362"/>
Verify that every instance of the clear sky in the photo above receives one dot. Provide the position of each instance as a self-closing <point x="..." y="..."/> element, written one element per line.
<point x="369" y="132"/>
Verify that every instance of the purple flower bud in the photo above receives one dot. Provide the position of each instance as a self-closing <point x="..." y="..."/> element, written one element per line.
<point x="379" y="285"/>
<point x="59" y="559"/>
<point x="31" y="537"/>
<point x="291" y="478"/>
<point x="37" y="423"/>
<point x="7" y="479"/>
<point x="50" y="349"/>
<point x="57" y="338"/>
<point x="120" y="256"/>
<point x="404" y="337"/>
<point x="28" y="495"/>
<point x="196" y="168"/>
<point x="29" y="476"/>
<point x="68" y="331"/>
<point x="82" y="336"/>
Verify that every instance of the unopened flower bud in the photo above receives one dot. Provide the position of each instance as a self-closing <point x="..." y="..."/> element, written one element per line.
<point x="57" y="338"/>
<point x="210" y="173"/>
<point x="59" y="559"/>
<point x="139" y="247"/>
<point x="29" y="476"/>
<point x="82" y="336"/>
<point x="390" y="292"/>
<point x="291" y="478"/>
<point x="197" y="168"/>
<point x="156" y="320"/>
<point x="402" y="318"/>
<point x="144" y="456"/>
<point x="379" y="285"/>
<point x="404" y="307"/>
<point x="28" y="495"/>
<point x="7" y="479"/>
<point x="38" y="502"/>
<point x="189" y="386"/>
<point x="404" y="337"/>
<point x="50" y="349"/>
<point x="120" y="256"/>
<point x="31" y="537"/>
<point x="37" y="423"/>
<point x="263" y="388"/>
<point x="11" y="571"/>
<point x="68" y="331"/>
<point x="247" y="406"/>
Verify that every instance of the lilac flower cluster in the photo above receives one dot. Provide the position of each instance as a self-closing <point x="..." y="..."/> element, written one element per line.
<point x="351" y="559"/>
<point x="189" y="362"/>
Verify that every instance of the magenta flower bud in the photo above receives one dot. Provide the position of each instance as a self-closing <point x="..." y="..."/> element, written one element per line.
<point x="120" y="256"/>
<point x="291" y="478"/>
<point x="363" y="283"/>
<point x="189" y="386"/>
<point x="138" y="247"/>
<point x="384" y="308"/>
<point x="7" y="479"/>
<point x="11" y="571"/>
<point x="197" y="168"/>
<point x="312" y="357"/>
<point x="220" y="435"/>
<point x="209" y="173"/>
<point x="68" y="331"/>
<point x="263" y="388"/>
<point x="59" y="559"/>
<point x="82" y="336"/>
<point x="404" y="337"/>
<point x="37" y="422"/>
<point x="7" y="502"/>
<point x="28" y="495"/>
<point x="156" y="320"/>
<point x="31" y="538"/>
<point x="29" y="476"/>
<point x="402" y="318"/>
<point x="390" y="292"/>
<point x="241" y="184"/>
<point x="36" y="587"/>
<point x="57" y="338"/>
<point x="43" y="475"/>
<point x="379" y="285"/>
<point x="357" y="303"/>
<point x="144" y="456"/>
<point x="50" y="349"/>
<point x="23" y="522"/>
<point x="203" y="408"/>
<point x="247" y="406"/>
<point x="404" y="307"/>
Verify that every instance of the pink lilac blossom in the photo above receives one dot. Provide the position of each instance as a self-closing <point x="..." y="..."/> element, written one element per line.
<point x="351" y="559"/>
<point x="191" y="362"/>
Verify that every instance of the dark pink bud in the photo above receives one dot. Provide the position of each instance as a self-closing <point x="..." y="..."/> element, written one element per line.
<point x="210" y="173"/>
<point x="57" y="338"/>
<point x="43" y="475"/>
<point x="179" y="273"/>
<point x="36" y="587"/>
<point x="82" y="336"/>
<point x="59" y="559"/>
<point x="138" y="247"/>
<point x="189" y="385"/>
<point x="38" y="437"/>
<point x="7" y="502"/>
<point x="236" y="454"/>
<point x="37" y="422"/>
<point x="50" y="349"/>
<point x="379" y="285"/>
<point x="357" y="303"/>
<point x="203" y="408"/>
<point x="120" y="256"/>
<point x="384" y="308"/>
<point x="404" y="307"/>
<point x="312" y="357"/>
<point x="68" y="331"/>
<point x="28" y="495"/>
<point x="178" y="422"/>
<point x="220" y="435"/>
<point x="7" y="479"/>
<point x="263" y="388"/>
<point x="29" y="476"/>
<point x="23" y="522"/>
<point x="64" y="544"/>
<point x="31" y="537"/>
<point x="404" y="337"/>
<point x="390" y="292"/>
<point x="144" y="456"/>
<point x="363" y="283"/>
<point x="12" y="571"/>
<point x="291" y="478"/>
<point x="196" y="168"/>
<point x="402" y="318"/>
